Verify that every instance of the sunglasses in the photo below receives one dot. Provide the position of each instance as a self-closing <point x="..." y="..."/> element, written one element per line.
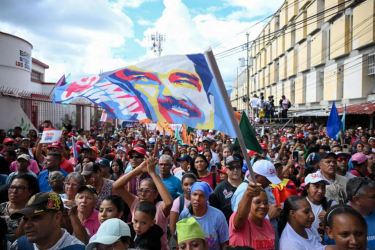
<point x="232" y="168"/>
<point x="136" y="156"/>
<point x="343" y="159"/>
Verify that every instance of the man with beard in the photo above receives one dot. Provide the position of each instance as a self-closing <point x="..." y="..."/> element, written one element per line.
<point x="342" y="165"/>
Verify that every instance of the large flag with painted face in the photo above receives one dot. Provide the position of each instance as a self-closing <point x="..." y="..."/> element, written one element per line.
<point x="174" y="89"/>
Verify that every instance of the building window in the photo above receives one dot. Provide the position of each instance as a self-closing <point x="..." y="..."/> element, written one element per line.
<point x="371" y="64"/>
<point x="35" y="76"/>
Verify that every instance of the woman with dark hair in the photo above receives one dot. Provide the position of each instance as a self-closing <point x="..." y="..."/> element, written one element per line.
<point x="207" y="153"/>
<point x="211" y="219"/>
<point x="117" y="169"/>
<point x="199" y="168"/>
<point x="314" y="191"/>
<point x="91" y="173"/>
<point x="359" y="147"/>
<point x="295" y="223"/>
<point x="21" y="189"/>
<point x="152" y="190"/>
<point x="188" y="179"/>
<point x="347" y="227"/>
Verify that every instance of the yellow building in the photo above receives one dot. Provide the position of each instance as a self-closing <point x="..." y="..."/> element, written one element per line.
<point x="314" y="52"/>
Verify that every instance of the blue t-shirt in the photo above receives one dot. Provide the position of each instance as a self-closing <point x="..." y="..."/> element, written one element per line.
<point x="214" y="226"/>
<point x="11" y="176"/>
<point x="371" y="231"/>
<point x="173" y="185"/>
<point x="43" y="180"/>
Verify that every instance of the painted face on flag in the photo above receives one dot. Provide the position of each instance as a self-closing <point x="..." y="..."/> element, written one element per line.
<point x="168" y="90"/>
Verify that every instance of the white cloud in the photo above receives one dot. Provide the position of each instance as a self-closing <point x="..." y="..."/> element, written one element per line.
<point x="121" y="4"/>
<point x="213" y="9"/>
<point x="252" y="8"/>
<point x="143" y="22"/>
<point x="69" y="35"/>
<point x="187" y="34"/>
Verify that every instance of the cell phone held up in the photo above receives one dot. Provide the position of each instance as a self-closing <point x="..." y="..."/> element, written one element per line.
<point x="345" y="148"/>
<point x="295" y="156"/>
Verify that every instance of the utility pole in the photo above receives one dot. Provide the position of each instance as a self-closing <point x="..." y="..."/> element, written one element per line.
<point x="157" y="43"/>
<point x="247" y="75"/>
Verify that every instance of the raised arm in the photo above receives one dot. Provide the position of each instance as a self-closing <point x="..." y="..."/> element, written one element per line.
<point x="119" y="185"/>
<point x="244" y="206"/>
<point x="39" y="152"/>
<point x="175" y="150"/>
<point x="301" y="173"/>
<point x="163" y="191"/>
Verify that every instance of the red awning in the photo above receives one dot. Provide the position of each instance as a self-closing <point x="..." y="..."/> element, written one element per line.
<point x="363" y="108"/>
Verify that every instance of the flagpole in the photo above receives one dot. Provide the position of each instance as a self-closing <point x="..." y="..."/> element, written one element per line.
<point x="216" y="73"/>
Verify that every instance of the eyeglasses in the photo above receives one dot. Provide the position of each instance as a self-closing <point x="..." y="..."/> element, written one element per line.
<point x="343" y="159"/>
<point x="259" y="203"/>
<point x="145" y="191"/>
<point x="136" y="156"/>
<point x="55" y="178"/>
<point x="19" y="189"/>
<point x="68" y="184"/>
<point x="232" y="168"/>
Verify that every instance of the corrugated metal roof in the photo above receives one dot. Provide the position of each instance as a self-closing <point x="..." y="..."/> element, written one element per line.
<point x="363" y="108"/>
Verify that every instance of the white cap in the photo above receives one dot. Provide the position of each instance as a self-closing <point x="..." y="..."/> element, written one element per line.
<point x="210" y="131"/>
<point x="266" y="169"/>
<point x="314" y="178"/>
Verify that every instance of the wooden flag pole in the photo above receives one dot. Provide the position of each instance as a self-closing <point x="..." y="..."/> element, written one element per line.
<point x="219" y="80"/>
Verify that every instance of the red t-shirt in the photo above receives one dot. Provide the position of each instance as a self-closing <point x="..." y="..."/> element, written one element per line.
<point x="357" y="174"/>
<point x="262" y="238"/>
<point x="209" y="179"/>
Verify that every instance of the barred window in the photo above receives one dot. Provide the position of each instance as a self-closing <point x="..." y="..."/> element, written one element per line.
<point x="35" y="76"/>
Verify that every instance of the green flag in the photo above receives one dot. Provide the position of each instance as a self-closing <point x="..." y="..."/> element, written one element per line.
<point x="248" y="135"/>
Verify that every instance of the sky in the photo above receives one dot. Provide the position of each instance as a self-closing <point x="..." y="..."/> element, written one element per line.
<point x="82" y="38"/>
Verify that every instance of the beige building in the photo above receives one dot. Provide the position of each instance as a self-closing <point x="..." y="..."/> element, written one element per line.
<point x="314" y="52"/>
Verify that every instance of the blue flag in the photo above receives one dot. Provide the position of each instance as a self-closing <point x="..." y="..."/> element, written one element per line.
<point x="343" y="124"/>
<point x="334" y="123"/>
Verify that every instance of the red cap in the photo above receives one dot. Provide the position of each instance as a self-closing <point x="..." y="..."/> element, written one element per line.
<point x="7" y="140"/>
<point x="56" y="144"/>
<point x="222" y="171"/>
<point x="200" y="149"/>
<point x="280" y="130"/>
<point x="113" y="149"/>
<point x="65" y="132"/>
<point x="283" y="139"/>
<point x="138" y="150"/>
<point x="95" y="149"/>
<point x="264" y="146"/>
<point x="79" y="143"/>
<point x="78" y="150"/>
<point x="92" y="141"/>
<point x="70" y="134"/>
<point x="300" y="136"/>
<point x="251" y="153"/>
<point x="113" y="154"/>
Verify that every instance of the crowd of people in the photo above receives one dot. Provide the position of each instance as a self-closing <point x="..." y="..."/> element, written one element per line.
<point x="132" y="188"/>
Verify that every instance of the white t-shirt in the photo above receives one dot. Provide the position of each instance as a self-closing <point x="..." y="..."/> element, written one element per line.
<point x="254" y="102"/>
<point x="290" y="240"/>
<point x="317" y="209"/>
<point x="179" y="174"/>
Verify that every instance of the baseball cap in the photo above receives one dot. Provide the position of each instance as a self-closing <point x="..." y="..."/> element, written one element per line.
<point x="8" y="140"/>
<point x="314" y="178"/>
<point x="276" y="161"/>
<point x="251" y="153"/>
<point x="109" y="232"/>
<point x="87" y="187"/>
<point x="70" y="134"/>
<point x="78" y="149"/>
<point x="360" y="158"/>
<point x="25" y="139"/>
<point x="231" y="159"/>
<point x="120" y="149"/>
<point x="137" y="150"/>
<point x="200" y="149"/>
<point x="266" y="169"/>
<point x="312" y="158"/>
<point x="114" y="137"/>
<point x="151" y="140"/>
<point x="206" y="139"/>
<point x="79" y="143"/>
<point x="88" y="169"/>
<point x="40" y="203"/>
<point x="185" y="158"/>
<point x="24" y="156"/>
<point x="300" y="136"/>
<point x="65" y="133"/>
<point x="371" y="138"/>
<point x="194" y="149"/>
<point x="343" y="155"/>
<point x="56" y="144"/>
<point x="264" y="146"/>
<point x="95" y="149"/>
<point x="92" y="141"/>
<point x="325" y="155"/>
<point x="283" y="139"/>
<point x="86" y="149"/>
<point x="222" y="171"/>
<point x="104" y="162"/>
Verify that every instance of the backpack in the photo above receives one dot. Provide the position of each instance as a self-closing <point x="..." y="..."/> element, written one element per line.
<point x="182" y="202"/>
<point x="289" y="104"/>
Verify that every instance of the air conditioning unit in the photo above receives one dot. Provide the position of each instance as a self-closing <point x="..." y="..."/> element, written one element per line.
<point x="371" y="64"/>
